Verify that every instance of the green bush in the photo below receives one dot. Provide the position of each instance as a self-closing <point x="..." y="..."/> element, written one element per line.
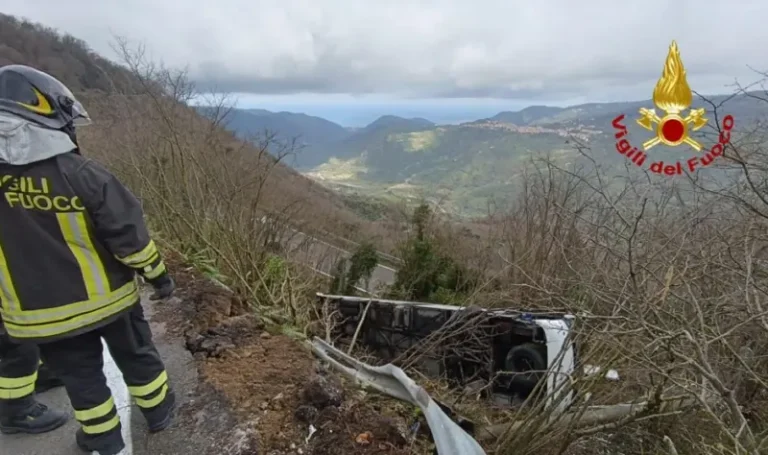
<point x="426" y="273"/>
<point x="356" y="271"/>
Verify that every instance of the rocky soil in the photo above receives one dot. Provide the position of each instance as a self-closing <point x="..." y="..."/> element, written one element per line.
<point x="284" y="400"/>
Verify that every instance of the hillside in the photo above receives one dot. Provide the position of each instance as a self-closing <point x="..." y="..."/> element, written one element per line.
<point x="317" y="138"/>
<point x="98" y="81"/>
<point x="467" y="165"/>
<point x="596" y="115"/>
<point x="69" y="58"/>
<point x="309" y="133"/>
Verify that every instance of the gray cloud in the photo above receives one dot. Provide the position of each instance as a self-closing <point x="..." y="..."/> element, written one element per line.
<point x="428" y="48"/>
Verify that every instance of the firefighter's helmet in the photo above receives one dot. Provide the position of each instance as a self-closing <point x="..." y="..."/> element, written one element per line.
<point x="40" y="98"/>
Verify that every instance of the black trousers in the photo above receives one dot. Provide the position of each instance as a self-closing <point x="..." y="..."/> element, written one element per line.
<point x="18" y="374"/>
<point x="78" y="362"/>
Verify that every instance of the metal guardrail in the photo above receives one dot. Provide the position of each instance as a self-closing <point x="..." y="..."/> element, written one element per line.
<point x="388" y="257"/>
<point x="328" y="275"/>
<point x="382" y="255"/>
<point x="313" y="239"/>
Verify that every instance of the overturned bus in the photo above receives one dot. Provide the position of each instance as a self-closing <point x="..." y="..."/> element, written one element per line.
<point x="509" y="352"/>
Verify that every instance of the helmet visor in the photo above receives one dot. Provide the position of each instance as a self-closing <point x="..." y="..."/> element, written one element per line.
<point x="80" y="116"/>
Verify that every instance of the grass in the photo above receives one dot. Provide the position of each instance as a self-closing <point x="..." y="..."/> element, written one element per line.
<point x="476" y="164"/>
<point x="419" y="141"/>
<point x="339" y="170"/>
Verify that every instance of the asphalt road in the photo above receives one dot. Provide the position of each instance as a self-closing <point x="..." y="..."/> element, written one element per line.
<point x="203" y="424"/>
<point x="322" y="257"/>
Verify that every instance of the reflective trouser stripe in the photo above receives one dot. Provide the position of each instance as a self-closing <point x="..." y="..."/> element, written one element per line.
<point x="21" y="392"/>
<point x="14" y="388"/>
<point x="144" y="394"/>
<point x="150" y="272"/>
<point x="102" y="427"/>
<point x="10" y="300"/>
<point x="142" y="258"/>
<point x="74" y="227"/>
<point x="94" y="413"/>
<point x="100" y="419"/>
<point x="152" y="402"/>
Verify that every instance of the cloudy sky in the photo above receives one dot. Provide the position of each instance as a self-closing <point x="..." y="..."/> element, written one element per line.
<point x="433" y="55"/>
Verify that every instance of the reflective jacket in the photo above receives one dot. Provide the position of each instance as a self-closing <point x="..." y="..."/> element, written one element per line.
<point x="72" y="239"/>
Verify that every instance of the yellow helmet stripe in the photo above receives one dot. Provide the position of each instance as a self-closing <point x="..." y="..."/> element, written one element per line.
<point x="43" y="106"/>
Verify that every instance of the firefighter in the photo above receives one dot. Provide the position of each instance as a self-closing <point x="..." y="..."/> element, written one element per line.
<point x="20" y="378"/>
<point x="72" y="242"/>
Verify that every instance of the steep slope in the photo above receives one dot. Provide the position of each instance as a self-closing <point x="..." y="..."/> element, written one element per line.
<point x="97" y="81"/>
<point x="27" y="43"/>
<point x="372" y="141"/>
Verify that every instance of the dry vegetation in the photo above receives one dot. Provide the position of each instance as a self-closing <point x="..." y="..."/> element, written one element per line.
<point x="670" y="291"/>
<point x="672" y="295"/>
<point x="668" y="278"/>
<point x="69" y="58"/>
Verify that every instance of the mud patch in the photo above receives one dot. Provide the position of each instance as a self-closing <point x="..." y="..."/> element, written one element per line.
<point x="263" y="381"/>
<point x="277" y="389"/>
<point x="353" y="426"/>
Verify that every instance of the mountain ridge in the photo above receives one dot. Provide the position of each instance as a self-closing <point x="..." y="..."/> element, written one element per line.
<point x="539" y="113"/>
<point x="475" y="161"/>
<point x="470" y="163"/>
<point x="312" y="134"/>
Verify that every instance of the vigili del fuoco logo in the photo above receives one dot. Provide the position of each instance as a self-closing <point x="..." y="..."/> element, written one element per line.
<point x="673" y="96"/>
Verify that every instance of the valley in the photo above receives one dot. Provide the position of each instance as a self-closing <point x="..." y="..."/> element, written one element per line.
<point x="470" y="168"/>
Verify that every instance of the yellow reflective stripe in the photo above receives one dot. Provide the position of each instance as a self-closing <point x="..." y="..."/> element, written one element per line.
<point x="71" y="310"/>
<point x="152" y="402"/>
<point x="94" y="413"/>
<point x="15" y="383"/>
<point x="63" y="327"/>
<point x="111" y="424"/>
<point x="142" y="258"/>
<point x="75" y="230"/>
<point x="10" y="300"/>
<point x="154" y="273"/>
<point x="144" y="390"/>
<point x="148" y="262"/>
<point x="21" y="392"/>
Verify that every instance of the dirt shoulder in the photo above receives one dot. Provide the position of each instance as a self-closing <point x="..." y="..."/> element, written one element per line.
<point x="276" y="390"/>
